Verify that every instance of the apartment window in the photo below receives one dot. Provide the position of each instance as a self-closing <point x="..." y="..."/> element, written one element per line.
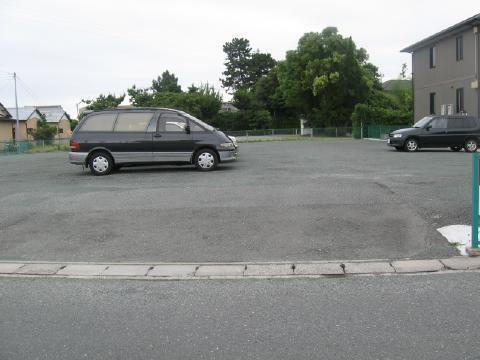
<point x="432" y="103"/>
<point x="460" y="105"/>
<point x="433" y="57"/>
<point x="459" y="48"/>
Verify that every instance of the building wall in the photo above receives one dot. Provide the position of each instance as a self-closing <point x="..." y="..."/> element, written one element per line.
<point x="447" y="76"/>
<point x="5" y="130"/>
<point x="6" y="127"/>
<point x="31" y="124"/>
<point x="64" y="125"/>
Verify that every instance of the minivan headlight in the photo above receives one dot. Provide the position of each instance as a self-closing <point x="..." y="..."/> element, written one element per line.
<point x="397" y="135"/>
<point x="226" y="146"/>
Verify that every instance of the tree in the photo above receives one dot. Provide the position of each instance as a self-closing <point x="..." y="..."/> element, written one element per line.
<point x="202" y="101"/>
<point x="103" y="102"/>
<point x="244" y="68"/>
<point x="44" y="131"/>
<point x="325" y="77"/>
<point x="238" y="53"/>
<point x="167" y="82"/>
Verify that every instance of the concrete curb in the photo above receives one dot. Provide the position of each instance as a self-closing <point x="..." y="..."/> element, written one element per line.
<point x="262" y="270"/>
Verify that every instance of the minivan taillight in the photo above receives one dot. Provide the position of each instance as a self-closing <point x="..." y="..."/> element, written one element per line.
<point x="74" y="146"/>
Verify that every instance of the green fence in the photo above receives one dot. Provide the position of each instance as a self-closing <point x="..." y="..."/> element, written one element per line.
<point x="380" y="131"/>
<point x="10" y="147"/>
<point x="292" y="133"/>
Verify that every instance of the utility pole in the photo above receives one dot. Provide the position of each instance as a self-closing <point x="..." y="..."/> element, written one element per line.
<point x="17" y="130"/>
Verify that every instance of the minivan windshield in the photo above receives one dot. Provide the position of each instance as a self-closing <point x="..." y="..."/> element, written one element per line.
<point x="422" y="122"/>
<point x="199" y="122"/>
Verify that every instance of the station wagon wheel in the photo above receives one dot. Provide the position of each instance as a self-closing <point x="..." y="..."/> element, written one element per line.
<point x="411" y="145"/>
<point x="455" y="148"/>
<point x="100" y="163"/>
<point x="206" y="160"/>
<point x="471" y="145"/>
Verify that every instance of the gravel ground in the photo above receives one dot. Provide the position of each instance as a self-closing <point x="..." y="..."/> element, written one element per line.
<point x="295" y="200"/>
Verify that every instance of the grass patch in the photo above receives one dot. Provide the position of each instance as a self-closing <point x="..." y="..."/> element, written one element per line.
<point x="48" y="148"/>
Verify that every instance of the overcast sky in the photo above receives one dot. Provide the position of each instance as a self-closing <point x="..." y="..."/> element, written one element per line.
<point x="64" y="51"/>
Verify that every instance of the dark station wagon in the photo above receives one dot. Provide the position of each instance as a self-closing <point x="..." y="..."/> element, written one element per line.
<point x="107" y="140"/>
<point x="456" y="132"/>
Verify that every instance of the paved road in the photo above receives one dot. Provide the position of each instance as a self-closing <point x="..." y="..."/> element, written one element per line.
<point x="383" y="317"/>
<point x="298" y="200"/>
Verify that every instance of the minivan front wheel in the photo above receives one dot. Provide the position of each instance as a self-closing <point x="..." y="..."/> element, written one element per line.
<point x="206" y="160"/>
<point x="471" y="145"/>
<point x="411" y="145"/>
<point x="100" y="163"/>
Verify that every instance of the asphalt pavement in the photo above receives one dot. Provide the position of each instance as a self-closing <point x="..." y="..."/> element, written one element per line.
<point x="281" y="201"/>
<point x="374" y="317"/>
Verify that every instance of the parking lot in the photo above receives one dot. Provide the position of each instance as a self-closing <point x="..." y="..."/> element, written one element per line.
<point x="281" y="201"/>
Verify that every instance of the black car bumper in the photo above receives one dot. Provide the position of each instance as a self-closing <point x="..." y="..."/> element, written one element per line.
<point x="396" y="142"/>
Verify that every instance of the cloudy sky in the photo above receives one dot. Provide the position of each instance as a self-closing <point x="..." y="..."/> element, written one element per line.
<point x="64" y="51"/>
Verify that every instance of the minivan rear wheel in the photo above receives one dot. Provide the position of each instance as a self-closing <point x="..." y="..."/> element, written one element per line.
<point x="206" y="160"/>
<point x="100" y="163"/>
<point x="411" y="145"/>
<point x="471" y="145"/>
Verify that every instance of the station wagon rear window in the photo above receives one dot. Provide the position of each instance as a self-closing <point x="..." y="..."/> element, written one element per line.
<point x="100" y="122"/>
<point x="133" y="122"/>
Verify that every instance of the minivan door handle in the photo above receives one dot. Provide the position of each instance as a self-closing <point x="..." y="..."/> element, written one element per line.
<point x="157" y="135"/>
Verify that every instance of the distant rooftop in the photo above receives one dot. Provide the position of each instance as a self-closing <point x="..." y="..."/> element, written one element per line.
<point x="24" y="113"/>
<point x="463" y="25"/>
<point x="53" y="113"/>
<point x="4" y="114"/>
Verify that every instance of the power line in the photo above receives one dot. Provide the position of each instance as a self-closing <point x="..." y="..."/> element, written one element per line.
<point x="28" y="90"/>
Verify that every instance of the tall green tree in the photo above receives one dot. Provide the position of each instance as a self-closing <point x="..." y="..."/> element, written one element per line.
<point x="325" y="77"/>
<point x="243" y="68"/>
<point x="167" y="82"/>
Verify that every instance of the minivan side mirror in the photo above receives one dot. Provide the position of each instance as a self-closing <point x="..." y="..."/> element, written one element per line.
<point x="187" y="129"/>
<point x="428" y="127"/>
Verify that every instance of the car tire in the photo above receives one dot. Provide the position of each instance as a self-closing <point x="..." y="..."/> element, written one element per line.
<point x="100" y="163"/>
<point x="471" y="145"/>
<point x="411" y="145"/>
<point x="455" y="148"/>
<point x="206" y="160"/>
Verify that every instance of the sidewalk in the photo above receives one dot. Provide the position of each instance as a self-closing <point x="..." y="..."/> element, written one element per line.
<point x="178" y="271"/>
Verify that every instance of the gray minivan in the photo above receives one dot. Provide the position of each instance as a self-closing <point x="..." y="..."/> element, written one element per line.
<point x="109" y="139"/>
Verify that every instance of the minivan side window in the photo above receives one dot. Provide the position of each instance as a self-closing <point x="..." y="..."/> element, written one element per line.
<point x="99" y="122"/>
<point x="439" y="123"/>
<point x="133" y="121"/>
<point x="170" y="122"/>
<point x="195" y="127"/>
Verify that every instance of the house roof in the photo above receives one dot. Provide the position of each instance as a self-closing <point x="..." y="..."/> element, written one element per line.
<point x="24" y="113"/>
<point x="53" y="113"/>
<point x="461" y="26"/>
<point x="4" y="114"/>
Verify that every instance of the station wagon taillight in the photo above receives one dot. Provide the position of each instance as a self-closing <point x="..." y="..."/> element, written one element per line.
<point x="74" y="146"/>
